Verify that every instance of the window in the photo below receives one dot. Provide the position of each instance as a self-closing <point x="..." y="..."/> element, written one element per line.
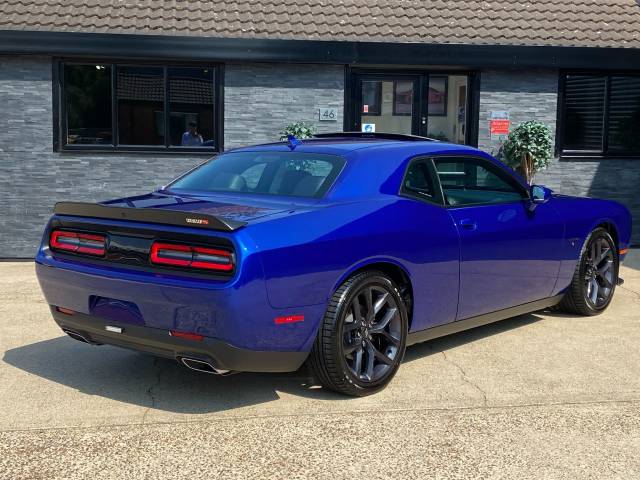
<point x="88" y="100"/>
<point x="600" y="114"/>
<point x="140" y="94"/>
<point x="418" y="181"/>
<point x="265" y="173"/>
<point x="371" y="97"/>
<point x="139" y="107"/>
<point x="468" y="181"/>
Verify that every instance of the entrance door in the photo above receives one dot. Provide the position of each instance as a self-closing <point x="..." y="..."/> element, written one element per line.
<point x="427" y="104"/>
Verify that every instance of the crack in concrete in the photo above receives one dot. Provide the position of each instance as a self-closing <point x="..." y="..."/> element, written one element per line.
<point x="626" y="289"/>
<point x="465" y="378"/>
<point x="232" y="418"/>
<point x="150" y="392"/>
<point x="636" y="295"/>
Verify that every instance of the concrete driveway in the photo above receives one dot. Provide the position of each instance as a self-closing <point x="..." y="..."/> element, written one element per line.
<point x="538" y="396"/>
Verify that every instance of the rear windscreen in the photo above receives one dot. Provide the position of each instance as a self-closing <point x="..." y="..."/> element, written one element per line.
<point x="265" y="173"/>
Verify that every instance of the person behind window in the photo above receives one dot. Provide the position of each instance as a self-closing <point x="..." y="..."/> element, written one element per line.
<point x="191" y="138"/>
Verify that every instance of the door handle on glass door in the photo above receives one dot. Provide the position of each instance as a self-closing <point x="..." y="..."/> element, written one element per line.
<point x="468" y="224"/>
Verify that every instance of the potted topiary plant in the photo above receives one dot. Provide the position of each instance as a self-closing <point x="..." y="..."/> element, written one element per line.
<point x="528" y="148"/>
<point x="299" y="130"/>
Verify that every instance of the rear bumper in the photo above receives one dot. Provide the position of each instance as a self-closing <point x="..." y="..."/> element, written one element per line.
<point x="158" y="342"/>
<point x="237" y="314"/>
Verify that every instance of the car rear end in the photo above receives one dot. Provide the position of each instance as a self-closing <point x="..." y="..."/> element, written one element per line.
<point x="170" y="283"/>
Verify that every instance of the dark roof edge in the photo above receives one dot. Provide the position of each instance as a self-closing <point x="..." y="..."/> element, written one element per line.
<point x="82" y="44"/>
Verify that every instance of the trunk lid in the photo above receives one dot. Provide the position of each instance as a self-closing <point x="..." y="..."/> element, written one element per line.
<point x="233" y="208"/>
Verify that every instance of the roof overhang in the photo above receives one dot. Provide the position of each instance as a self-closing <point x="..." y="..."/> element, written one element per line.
<point x="81" y="44"/>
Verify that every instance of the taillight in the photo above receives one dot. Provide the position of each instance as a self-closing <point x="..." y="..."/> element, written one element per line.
<point x="191" y="257"/>
<point x="77" y="242"/>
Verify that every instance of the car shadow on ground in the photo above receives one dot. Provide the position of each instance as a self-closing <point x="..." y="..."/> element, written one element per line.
<point x="138" y="379"/>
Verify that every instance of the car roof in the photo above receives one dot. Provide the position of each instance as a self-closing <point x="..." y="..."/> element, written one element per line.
<point x="374" y="165"/>
<point x="344" y="146"/>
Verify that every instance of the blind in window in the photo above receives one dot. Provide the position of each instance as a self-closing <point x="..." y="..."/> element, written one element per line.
<point x="584" y="103"/>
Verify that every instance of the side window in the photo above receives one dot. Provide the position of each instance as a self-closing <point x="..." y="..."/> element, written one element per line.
<point x="467" y="181"/>
<point x="418" y="181"/>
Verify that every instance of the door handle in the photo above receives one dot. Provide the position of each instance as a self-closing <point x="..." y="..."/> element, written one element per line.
<point x="468" y="224"/>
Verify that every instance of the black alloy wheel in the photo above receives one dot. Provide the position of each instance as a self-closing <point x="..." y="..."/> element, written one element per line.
<point x="362" y="338"/>
<point x="596" y="276"/>
<point x="600" y="272"/>
<point x="371" y="332"/>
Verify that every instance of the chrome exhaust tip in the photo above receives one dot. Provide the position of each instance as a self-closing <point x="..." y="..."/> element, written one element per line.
<point x="77" y="336"/>
<point x="202" y="366"/>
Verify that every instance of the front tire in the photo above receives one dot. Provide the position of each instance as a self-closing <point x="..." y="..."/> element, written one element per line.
<point x="595" y="278"/>
<point x="362" y="337"/>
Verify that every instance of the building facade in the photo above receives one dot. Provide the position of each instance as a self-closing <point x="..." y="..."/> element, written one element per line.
<point x="93" y="111"/>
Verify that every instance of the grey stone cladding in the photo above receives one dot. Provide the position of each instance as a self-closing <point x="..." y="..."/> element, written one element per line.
<point x="261" y="99"/>
<point x="526" y="95"/>
<point x="33" y="177"/>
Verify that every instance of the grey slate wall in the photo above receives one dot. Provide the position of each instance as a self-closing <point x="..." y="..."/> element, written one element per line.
<point x="260" y="99"/>
<point x="533" y="95"/>
<point x="33" y="177"/>
<point x="525" y="94"/>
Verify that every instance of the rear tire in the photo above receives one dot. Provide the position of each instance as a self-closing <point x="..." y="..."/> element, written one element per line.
<point x="596" y="276"/>
<point x="362" y="337"/>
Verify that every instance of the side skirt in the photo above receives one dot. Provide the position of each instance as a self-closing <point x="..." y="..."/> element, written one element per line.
<point x="473" y="322"/>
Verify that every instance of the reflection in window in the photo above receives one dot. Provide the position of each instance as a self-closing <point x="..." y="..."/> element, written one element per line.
<point x="191" y="112"/>
<point x="402" y="98"/>
<point x="371" y="97"/>
<point x="142" y="116"/>
<point x="601" y="114"/>
<point x="390" y="106"/>
<point x="140" y="93"/>
<point x="624" y="114"/>
<point x="447" y="101"/>
<point x="467" y="181"/>
<point x="584" y="103"/>
<point x="88" y="104"/>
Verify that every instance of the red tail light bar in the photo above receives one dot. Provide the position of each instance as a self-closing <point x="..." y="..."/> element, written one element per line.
<point x="77" y="242"/>
<point x="191" y="257"/>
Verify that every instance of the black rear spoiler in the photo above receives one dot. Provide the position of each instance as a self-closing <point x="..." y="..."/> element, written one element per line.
<point x="148" y="215"/>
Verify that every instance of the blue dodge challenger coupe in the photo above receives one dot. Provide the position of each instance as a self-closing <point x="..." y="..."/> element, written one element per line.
<point x="339" y="251"/>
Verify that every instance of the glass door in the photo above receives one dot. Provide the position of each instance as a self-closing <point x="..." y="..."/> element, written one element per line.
<point x="447" y="108"/>
<point x="428" y="104"/>
<point x="387" y="103"/>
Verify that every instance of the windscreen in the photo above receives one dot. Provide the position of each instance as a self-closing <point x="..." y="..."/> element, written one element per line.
<point x="265" y="173"/>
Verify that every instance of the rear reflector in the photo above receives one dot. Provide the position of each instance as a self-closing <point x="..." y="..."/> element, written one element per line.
<point x="289" y="319"/>
<point x="187" y="335"/>
<point x="66" y="311"/>
<point x="624" y="251"/>
<point x="191" y="257"/>
<point x="76" y="242"/>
